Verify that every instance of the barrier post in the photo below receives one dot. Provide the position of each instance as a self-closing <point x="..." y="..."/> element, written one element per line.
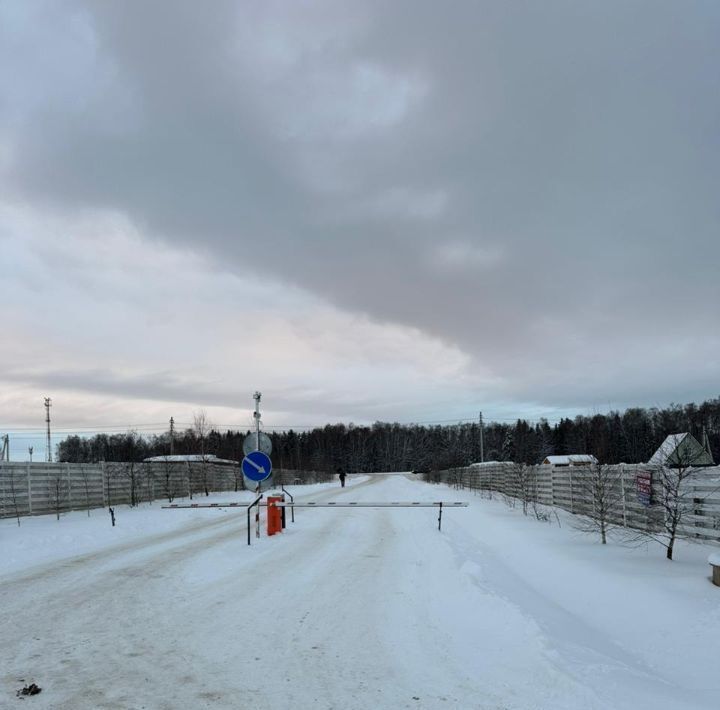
<point x="292" y="509"/>
<point x="254" y="503"/>
<point x="274" y="516"/>
<point x="440" y="516"/>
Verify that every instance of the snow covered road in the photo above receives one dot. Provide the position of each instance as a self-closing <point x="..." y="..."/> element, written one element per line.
<point x="361" y="609"/>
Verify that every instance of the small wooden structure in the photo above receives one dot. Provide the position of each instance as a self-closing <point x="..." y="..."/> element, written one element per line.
<point x="682" y="451"/>
<point x="570" y="460"/>
<point x="714" y="562"/>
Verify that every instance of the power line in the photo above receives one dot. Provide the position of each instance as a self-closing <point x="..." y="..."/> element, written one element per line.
<point x="27" y="433"/>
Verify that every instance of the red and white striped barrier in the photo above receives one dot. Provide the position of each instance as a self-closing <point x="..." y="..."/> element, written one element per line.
<point x="361" y="504"/>
<point x="207" y="505"/>
<point x="330" y="504"/>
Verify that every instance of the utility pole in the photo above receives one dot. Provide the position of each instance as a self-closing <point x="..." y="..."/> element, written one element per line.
<point x="5" y="451"/>
<point x="482" y="450"/>
<point x="172" y="435"/>
<point x="48" y="443"/>
<point x="30" y="450"/>
<point x="256" y="415"/>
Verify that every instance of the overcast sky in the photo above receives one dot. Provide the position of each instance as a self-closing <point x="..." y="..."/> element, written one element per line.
<point x="367" y="210"/>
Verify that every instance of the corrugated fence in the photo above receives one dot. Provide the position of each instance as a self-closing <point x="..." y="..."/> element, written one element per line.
<point x="634" y="498"/>
<point x="40" y="488"/>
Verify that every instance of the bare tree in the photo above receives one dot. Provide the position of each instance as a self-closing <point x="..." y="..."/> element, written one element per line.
<point x="600" y="499"/>
<point x="522" y="484"/>
<point x="169" y="481"/>
<point x="13" y="496"/>
<point x="675" y="501"/>
<point x="201" y="429"/>
<point x="674" y="476"/>
<point x="56" y="489"/>
<point x="455" y="478"/>
<point x="132" y="471"/>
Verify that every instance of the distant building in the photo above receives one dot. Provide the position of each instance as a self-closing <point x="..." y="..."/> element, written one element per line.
<point x="682" y="450"/>
<point x="191" y="458"/>
<point x="570" y="460"/>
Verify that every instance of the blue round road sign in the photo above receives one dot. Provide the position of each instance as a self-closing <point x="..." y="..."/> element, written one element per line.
<point x="256" y="466"/>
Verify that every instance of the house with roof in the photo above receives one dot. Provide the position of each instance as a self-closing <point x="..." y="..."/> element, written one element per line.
<point x="570" y="460"/>
<point x="681" y="451"/>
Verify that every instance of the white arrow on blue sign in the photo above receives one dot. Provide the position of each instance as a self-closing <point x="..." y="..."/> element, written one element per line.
<point x="256" y="466"/>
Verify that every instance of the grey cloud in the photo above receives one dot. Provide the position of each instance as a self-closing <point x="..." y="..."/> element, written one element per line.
<point x="305" y="405"/>
<point x="577" y="140"/>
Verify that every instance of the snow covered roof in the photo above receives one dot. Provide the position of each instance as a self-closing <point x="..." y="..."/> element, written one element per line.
<point x="191" y="458"/>
<point x="665" y="450"/>
<point x="570" y="459"/>
<point x="681" y="448"/>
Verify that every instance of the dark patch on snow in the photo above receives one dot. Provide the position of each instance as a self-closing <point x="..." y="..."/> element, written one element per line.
<point x="31" y="689"/>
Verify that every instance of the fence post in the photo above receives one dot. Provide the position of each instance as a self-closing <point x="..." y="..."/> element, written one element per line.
<point x="572" y="508"/>
<point x="103" y="485"/>
<point x="29" y="486"/>
<point x="69" y="487"/>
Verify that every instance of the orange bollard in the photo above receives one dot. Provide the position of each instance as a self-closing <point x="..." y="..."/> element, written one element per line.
<point x="274" y="515"/>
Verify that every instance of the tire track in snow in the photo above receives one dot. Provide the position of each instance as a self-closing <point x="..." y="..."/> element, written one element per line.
<point x="177" y="536"/>
<point x="574" y="647"/>
<point x="123" y="601"/>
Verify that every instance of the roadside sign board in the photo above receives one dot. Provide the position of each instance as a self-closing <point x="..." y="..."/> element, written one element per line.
<point x="256" y="466"/>
<point x="643" y="487"/>
<point x="251" y="444"/>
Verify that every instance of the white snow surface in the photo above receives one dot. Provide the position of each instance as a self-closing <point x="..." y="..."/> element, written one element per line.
<point x="351" y="608"/>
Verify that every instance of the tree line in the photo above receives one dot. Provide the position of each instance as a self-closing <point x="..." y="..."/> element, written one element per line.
<point x="628" y="437"/>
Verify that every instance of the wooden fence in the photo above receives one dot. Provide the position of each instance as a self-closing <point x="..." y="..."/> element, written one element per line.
<point x="635" y="493"/>
<point x="40" y="488"/>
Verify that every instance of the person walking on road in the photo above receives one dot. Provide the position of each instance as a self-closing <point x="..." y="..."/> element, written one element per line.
<point x="341" y="476"/>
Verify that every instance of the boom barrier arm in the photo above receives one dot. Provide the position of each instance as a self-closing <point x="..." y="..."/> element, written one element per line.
<point x="381" y="504"/>
<point x="329" y="504"/>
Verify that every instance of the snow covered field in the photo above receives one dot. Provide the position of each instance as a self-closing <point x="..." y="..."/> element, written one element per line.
<point x="351" y="609"/>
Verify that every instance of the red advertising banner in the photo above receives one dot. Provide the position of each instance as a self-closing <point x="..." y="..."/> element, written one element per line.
<point x="643" y="487"/>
